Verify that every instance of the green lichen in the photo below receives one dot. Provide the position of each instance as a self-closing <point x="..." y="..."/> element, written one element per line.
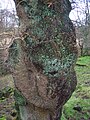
<point x="54" y="67"/>
<point x="19" y="98"/>
<point x="45" y="44"/>
<point x="14" y="53"/>
<point x="48" y="40"/>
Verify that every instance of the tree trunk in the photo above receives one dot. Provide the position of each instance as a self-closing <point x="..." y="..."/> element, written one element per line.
<point x="44" y="58"/>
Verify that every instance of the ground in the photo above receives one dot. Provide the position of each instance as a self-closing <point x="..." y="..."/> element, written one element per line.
<point x="7" y="102"/>
<point x="78" y="107"/>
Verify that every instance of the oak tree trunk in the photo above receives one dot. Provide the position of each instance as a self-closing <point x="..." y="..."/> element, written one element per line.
<point x="44" y="58"/>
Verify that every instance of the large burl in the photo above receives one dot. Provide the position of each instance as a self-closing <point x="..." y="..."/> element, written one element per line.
<point x="44" y="59"/>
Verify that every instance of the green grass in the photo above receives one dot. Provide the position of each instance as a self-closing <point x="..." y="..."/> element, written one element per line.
<point x="2" y="118"/>
<point x="81" y="96"/>
<point x="84" y="60"/>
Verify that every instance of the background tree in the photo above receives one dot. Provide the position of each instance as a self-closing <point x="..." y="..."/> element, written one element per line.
<point x="8" y="20"/>
<point x="82" y="24"/>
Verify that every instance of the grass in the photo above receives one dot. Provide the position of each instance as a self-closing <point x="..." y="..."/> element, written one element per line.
<point x="81" y="96"/>
<point x="3" y="118"/>
<point x="7" y="103"/>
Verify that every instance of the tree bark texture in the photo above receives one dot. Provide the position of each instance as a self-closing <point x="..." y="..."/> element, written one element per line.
<point x="44" y="58"/>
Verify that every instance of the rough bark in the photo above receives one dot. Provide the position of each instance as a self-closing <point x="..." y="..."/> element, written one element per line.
<point x="44" y="59"/>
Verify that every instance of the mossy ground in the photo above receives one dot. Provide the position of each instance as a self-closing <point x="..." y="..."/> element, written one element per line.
<point x="3" y="118"/>
<point x="7" y="102"/>
<point x="78" y="107"/>
<point x="80" y="98"/>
